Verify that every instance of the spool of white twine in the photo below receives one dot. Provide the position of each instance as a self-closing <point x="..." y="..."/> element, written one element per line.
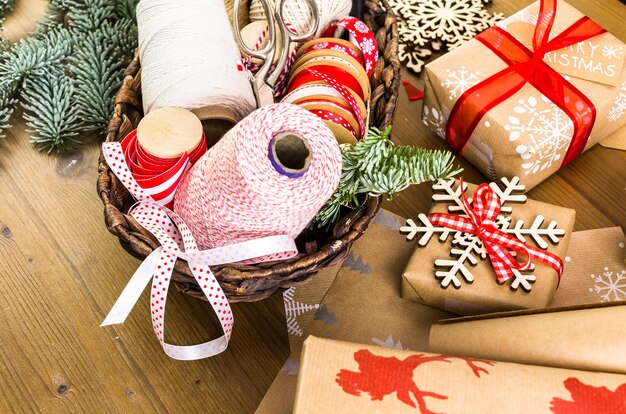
<point x="298" y="13"/>
<point x="188" y="58"/>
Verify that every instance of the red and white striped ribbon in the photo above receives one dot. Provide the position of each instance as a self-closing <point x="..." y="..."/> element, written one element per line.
<point x="177" y="242"/>
<point x="481" y="220"/>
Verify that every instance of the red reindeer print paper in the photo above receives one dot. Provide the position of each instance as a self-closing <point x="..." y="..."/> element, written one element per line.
<point x="397" y="377"/>
<point x="589" y="399"/>
<point x="346" y="378"/>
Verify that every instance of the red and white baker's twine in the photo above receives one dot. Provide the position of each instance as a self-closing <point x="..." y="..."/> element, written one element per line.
<point x="481" y="221"/>
<point x="234" y="192"/>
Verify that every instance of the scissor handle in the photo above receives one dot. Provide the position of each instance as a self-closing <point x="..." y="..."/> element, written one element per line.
<point x="268" y="52"/>
<point x="288" y="36"/>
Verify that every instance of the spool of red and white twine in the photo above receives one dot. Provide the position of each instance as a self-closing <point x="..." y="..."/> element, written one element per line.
<point x="268" y="175"/>
<point x="247" y="198"/>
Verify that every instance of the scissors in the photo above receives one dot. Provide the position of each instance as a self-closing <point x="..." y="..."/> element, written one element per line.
<point x="264" y="85"/>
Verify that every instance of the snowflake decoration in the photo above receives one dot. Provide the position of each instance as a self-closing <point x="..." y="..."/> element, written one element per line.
<point x="545" y="129"/>
<point x="388" y="343"/>
<point x="466" y="249"/>
<point x="619" y="106"/>
<point x="612" y="51"/>
<point x="458" y="81"/>
<point x="436" y="120"/>
<point x="293" y="309"/>
<point x="611" y="285"/>
<point x="430" y="25"/>
<point x="367" y="46"/>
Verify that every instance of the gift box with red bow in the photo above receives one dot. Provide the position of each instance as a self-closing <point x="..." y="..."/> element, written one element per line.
<point x="528" y="96"/>
<point x="487" y="248"/>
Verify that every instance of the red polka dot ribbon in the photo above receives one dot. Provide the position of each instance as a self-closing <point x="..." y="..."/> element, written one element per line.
<point x="480" y="221"/>
<point x="361" y="36"/>
<point x="177" y="242"/>
<point x="345" y="93"/>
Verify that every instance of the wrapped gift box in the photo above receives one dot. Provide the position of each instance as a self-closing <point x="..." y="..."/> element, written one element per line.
<point x="351" y="378"/>
<point x="456" y="258"/>
<point x="589" y="338"/>
<point x="528" y="134"/>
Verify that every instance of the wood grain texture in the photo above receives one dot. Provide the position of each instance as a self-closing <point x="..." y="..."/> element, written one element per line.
<point x="61" y="272"/>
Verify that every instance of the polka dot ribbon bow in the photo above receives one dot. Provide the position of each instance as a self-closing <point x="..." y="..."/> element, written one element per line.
<point x="480" y="221"/>
<point x="177" y="242"/>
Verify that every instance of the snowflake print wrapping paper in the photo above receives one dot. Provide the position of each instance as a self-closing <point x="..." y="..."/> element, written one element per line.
<point x="594" y="268"/>
<point x="450" y="270"/>
<point x="527" y="135"/>
<point x="347" y="377"/>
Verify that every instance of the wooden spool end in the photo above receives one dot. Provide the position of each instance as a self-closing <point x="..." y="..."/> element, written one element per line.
<point x="169" y="132"/>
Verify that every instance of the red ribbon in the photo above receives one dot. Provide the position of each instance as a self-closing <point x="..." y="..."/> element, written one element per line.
<point x="527" y="66"/>
<point x="481" y="221"/>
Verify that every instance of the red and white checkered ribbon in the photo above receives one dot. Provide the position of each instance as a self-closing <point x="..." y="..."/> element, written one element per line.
<point x="481" y="221"/>
<point x="177" y="242"/>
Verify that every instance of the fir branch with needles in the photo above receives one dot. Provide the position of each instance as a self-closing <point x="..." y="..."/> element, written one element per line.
<point x="5" y="7"/>
<point x="375" y="166"/>
<point x="66" y="75"/>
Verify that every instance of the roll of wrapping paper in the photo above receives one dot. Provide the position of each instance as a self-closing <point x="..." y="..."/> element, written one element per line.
<point x="269" y="175"/>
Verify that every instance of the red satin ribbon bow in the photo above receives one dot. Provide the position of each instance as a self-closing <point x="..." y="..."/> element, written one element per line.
<point x="527" y="66"/>
<point x="481" y="221"/>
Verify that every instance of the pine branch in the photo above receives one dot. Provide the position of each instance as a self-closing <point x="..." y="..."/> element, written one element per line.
<point x="97" y="68"/>
<point x="375" y="167"/>
<point x="48" y="99"/>
<point x="5" y="7"/>
<point x="80" y="49"/>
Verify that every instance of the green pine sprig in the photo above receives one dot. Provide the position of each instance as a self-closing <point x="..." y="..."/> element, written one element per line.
<point x="80" y="49"/>
<point x="375" y="166"/>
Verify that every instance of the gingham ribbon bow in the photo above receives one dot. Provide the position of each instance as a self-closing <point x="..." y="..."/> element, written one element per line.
<point x="481" y="221"/>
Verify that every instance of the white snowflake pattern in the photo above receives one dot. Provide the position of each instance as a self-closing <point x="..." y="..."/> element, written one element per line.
<point x="436" y="120"/>
<point x="612" y="51"/>
<point x="458" y="81"/>
<point x="544" y="135"/>
<point x="368" y="66"/>
<point x="338" y="48"/>
<point x="611" y="285"/>
<point x="619" y="106"/>
<point x="293" y="309"/>
<point x="388" y="343"/>
<point x="425" y="26"/>
<point x="361" y="27"/>
<point x="467" y="250"/>
<point x="321" y="45"/>
<point x="367" y="46"/>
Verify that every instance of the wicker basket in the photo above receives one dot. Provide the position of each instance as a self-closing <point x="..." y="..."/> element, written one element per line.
<point x="318" y="249"/>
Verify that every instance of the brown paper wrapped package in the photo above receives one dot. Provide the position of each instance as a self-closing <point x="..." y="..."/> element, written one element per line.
<point x="526" y="135"/>
<point x="485" y="295"/>
<point x="362" y="305"/>
<point x="592" y="339"/>
<point x="351" y="378"/>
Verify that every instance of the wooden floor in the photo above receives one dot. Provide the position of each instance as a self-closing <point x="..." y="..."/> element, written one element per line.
<point x="61" y="271"/>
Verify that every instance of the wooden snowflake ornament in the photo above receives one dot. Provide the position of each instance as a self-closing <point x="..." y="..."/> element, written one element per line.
<point x="425" y="26"/>
<point x="468" y="249"/>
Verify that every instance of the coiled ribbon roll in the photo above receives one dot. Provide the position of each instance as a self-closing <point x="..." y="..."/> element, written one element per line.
<point x="268" y="175"/>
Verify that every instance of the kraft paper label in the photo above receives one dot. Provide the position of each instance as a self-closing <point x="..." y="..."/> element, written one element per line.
<point x="593" y="59"/>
